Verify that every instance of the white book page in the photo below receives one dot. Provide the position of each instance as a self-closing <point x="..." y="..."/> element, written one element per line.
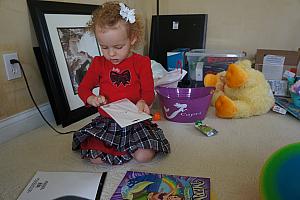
<point x="53" y="185"/>
<point x="124" y="112"/>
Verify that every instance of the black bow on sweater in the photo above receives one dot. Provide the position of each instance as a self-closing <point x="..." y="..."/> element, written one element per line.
<point x="118" y="78"/>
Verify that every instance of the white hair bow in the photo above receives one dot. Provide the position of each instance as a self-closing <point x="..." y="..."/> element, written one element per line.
<point x="127" y="13"/>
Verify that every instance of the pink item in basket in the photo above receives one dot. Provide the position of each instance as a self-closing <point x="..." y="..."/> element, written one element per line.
<point x="185" y="105"/>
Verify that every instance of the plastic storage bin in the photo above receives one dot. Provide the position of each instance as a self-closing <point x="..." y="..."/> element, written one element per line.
<point x="185" y="105"/>
<point x="204" y="61"/>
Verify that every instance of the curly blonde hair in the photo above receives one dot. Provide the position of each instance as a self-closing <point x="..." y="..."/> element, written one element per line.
<point x="108" y="15"/>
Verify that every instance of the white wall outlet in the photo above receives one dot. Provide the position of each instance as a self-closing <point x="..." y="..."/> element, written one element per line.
<point x="13" y="71"/>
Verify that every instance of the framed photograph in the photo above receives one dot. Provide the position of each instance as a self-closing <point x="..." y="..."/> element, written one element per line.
<point x="66" y="49"/>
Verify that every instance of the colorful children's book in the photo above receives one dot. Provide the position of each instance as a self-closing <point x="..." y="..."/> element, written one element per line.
<point x="152" y="186"/>
<point x="288" y="105"/>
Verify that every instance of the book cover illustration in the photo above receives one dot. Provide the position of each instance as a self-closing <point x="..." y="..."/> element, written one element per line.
<point x="288" y="105"/>
<point x="152" y="186"/>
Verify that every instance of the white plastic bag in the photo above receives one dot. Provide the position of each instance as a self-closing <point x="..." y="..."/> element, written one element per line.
<point x="164" y="78"/>
<point x="171" y="79"/>
<point x="158" y="70"/>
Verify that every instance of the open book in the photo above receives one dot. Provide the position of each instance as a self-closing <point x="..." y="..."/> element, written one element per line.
<point x="144" y="185"/>
<point x="64" y="186"/>
<point x="288" y="105"/>
<point x="124" y="112"/>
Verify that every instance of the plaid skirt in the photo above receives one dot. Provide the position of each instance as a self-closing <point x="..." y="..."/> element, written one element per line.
<point x="145" y="135"/>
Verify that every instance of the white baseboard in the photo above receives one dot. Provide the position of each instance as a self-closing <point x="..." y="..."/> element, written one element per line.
<point x="24" y="122"/>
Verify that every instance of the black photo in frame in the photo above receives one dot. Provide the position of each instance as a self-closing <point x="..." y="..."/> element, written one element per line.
<point x="52" y="22"/>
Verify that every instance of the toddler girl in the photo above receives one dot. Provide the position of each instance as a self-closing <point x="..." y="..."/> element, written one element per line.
<point x="119" y="73"/>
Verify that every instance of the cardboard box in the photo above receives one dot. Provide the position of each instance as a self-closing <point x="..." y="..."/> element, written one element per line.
<point x="298" y="67"/>
<point x="290" y="63"/>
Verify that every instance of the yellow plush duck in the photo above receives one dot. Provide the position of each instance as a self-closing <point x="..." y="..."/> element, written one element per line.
<point x="240" y="91"/>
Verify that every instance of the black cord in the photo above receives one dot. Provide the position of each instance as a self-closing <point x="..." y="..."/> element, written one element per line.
<point x="14" y="61"/>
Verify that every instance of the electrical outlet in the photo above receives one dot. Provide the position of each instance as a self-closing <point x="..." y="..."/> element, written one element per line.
<point x="13" y="71"/>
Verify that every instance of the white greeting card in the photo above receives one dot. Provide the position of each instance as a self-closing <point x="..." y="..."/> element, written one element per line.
<point x="124" y="112"/>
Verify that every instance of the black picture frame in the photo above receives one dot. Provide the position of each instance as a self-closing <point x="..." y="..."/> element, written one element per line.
<point x="65" y="113"/>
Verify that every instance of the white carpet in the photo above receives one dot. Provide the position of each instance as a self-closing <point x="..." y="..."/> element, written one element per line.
<point x="232" y="159"/>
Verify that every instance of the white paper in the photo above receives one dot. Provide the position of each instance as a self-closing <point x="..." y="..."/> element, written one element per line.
<point x="124" y="112"/>
<point x="53" y="185"/>
<point x="273" y="67"/>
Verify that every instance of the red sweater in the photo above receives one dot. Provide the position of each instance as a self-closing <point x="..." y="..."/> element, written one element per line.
<point x="131" y="79"/>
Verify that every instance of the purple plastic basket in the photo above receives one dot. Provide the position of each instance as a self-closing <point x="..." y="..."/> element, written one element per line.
<point x="185" y="105"/>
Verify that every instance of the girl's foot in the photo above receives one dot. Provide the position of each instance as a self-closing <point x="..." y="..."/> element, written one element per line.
<point x="143" y="155"/>
<point x="96" y="160"/>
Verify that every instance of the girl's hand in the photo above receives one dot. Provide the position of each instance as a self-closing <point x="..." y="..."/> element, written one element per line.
<point x="96" y="101"/>
<point x="143" y="107"/>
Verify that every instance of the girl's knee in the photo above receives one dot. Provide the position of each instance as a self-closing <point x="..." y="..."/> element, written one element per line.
<point x="143" y="155"/>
